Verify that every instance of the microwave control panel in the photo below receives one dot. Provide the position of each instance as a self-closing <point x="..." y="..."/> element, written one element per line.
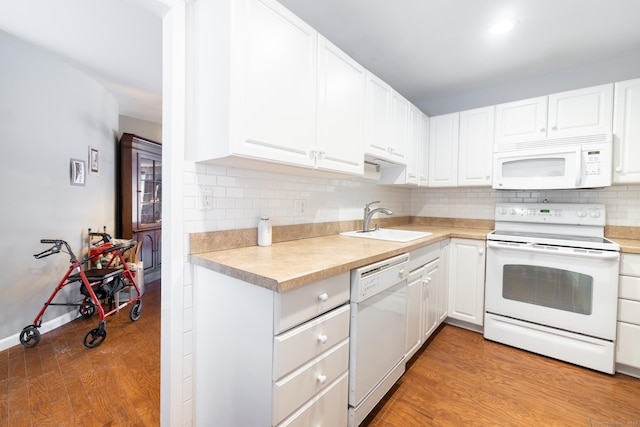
<point x="592" y="163"/>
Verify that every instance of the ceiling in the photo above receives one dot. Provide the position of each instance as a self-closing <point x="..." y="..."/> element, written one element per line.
<point x="425" y="49"/>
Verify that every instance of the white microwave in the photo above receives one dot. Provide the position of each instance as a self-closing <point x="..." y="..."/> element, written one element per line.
<point x="558" y="167"/>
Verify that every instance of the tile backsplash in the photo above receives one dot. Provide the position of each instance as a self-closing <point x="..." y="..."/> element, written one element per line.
<point x="240" y="196"/>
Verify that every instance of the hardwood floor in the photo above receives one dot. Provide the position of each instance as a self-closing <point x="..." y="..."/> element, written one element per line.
<point x="457" y="379"/>
<point x="461" y="379"/>
<point x="60" y="382"/>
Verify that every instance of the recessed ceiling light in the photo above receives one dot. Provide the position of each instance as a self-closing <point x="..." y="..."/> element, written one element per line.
<point x="503" y="26"/>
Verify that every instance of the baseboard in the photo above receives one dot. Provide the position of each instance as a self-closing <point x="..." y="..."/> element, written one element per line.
<point x="50" y="325"/>
<point x="464" y="325"/>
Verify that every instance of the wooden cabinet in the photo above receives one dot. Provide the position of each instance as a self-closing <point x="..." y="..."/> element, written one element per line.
<point x="271" y="358"/>
<point x="475" y="152"/>
<point x="140" y="199"/>
<point x="443" y="150"/>
<point x="466" y="280"/>
<point x="628" y="339"/>
<point x="566" y="114"/>
<point x="626" y="132"/>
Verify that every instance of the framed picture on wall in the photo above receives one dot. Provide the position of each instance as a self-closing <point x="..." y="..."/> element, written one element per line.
<point x="94" y="161"/>
<point x="78" y="169"/>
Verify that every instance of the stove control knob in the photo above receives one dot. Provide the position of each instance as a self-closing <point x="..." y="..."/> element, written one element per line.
<point x="581" y="213"/>
<point x="513" y="211"/>
<point x="595" y="213"/>
<point x="502" y="211"/>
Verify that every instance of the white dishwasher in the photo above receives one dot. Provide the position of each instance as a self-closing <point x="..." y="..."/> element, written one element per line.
<point x="377" y="333"/>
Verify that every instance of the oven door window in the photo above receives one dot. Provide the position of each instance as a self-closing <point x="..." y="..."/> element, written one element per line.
<point x="548" y="287"/>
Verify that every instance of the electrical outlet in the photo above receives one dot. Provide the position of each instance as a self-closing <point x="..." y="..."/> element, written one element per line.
<point x="206" y="198"/>
<point x="299" y="207"/>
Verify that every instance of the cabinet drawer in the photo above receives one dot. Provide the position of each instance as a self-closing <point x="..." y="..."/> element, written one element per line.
<point x="629" y="311"/>
<point x="292" y="391"/>
<point x="297" y="346"/>
<point x="630" y="264"/>
<point x="628" y="345"/>
<point x="423" y="255"/>
<point x="629" y="288"/>
<point x="299" y="305"/>
<point x="325" y="409"/>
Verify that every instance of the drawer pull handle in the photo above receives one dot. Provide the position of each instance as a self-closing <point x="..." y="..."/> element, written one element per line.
<point x="322" y="339"/>
<point x="323" y="297"/>
<point x="322" y="379"/>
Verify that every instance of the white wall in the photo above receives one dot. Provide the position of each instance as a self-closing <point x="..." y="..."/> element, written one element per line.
<point x="622" y="201"/>
<point x="621" y="68"/>
<point x="240" y="196"/>
<point x="49" y="112"/>
<point x="142" y="128"/>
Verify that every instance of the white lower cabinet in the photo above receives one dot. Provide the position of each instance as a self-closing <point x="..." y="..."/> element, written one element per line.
<point x="424" y="286"/>
<point x="466" y="280"/>
<point x="628" y="340"/>
<point x="264" y="358"/>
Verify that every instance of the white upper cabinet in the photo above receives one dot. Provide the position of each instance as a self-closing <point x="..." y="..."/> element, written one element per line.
<point x="277" y="85"/>
<point x="443" y="150"/>
<point x="387" y="122"/>
<point x="341" y="107"/>
<point x="414" y="173"/>
<point x="573" y="113"/>
<point x="626" y="130"/>
<point x="475" y="152"/>
<point x="581" y="112"/>
<point x="268" y="87"/>
<point x="399" y="137"/>
<point x="520" y="121"/>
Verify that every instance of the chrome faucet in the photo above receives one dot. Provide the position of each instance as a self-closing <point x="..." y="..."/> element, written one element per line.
<point x="368" y="213"/>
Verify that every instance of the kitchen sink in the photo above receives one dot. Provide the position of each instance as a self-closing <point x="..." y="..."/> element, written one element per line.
<point x="388" y="234"/>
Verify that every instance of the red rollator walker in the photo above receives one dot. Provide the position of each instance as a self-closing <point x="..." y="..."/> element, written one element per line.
<point x="96" y="284"/>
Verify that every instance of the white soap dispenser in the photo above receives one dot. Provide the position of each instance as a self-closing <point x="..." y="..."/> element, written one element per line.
<point x="264" y="231"/>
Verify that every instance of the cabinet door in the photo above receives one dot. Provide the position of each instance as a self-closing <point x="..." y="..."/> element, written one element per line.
<point x="521" y="121"/>
<point x="278" y="85"/>
<point x="378" y="117"/>
<point x="423" y="151"/>
<point x="414" y="311"/>
<point x="475" y="154"/>
<point x="443" y="292"/>
<point x="431" y="285"/>
<point x="147" y="249"/>
<point x="149" y="190"/>
<point x="466" y="280"/>
<point x="581" y="112"/>
<point x="628" y="345"/>
<point x="341" y="98"/>
<point x="399" y="132"/>
<point x="626" y="132"/>
<point x="443" y="150"/>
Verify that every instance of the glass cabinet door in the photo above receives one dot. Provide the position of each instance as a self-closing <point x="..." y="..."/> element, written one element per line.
<point x="149" y="190"/>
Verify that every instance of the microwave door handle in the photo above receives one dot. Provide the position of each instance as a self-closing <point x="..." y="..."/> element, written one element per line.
<point x="578" y="166"/>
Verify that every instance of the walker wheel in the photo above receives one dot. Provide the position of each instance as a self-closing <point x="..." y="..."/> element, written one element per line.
<point x="30" y="336"/>
<point x="95" y="336"/>
<point x="136" y="311"/>
<point x="87" y="310"/>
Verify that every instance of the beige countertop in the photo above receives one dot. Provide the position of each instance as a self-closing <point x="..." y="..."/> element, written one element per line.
<point x="288" y="265"/>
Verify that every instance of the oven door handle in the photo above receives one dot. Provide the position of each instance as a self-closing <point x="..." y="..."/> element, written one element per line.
<point x="535" y="248"/>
